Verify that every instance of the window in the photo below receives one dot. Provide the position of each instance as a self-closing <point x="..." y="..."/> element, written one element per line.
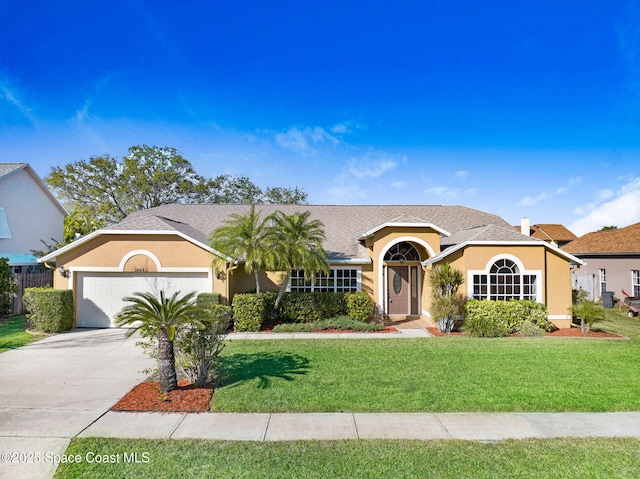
<point x="402" y="252"/>
<point x="635" y="282"/>
<point x="504" y="281"/>
<point x="603" y="280"/>
<point x="4" y="226"/>
<point x="339" y="280"/>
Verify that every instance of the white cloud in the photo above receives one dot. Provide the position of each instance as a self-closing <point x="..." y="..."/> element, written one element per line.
<point x="398" y="184"/>
<point x="305" y="140"/>
<point x="619" y="209"/>
<point x="461" y="175"/>
<point x="529" y="200"/>
<point x="448" y="193"/>
<point x="12" y="96"/>
<point x="367" y="167"/>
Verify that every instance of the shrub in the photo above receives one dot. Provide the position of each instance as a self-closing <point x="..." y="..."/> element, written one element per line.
<point x="249" y="311"/>
<point x="298" y="307"/>
<point x="206" y="299"/>
<point x="484" y="321"/>
<point x="49" y="310"/>
<point x="8" y="287"/>
<point x="445" y="309"/>
<point x="198" y="350"/>
<point x="579" y="296"/>
<point x="529" y="329"/>
<point x="509" y="314"/>
<point x="589" y="312"/>
<point x="359" y="306"/>
<point x="338" y="322"/>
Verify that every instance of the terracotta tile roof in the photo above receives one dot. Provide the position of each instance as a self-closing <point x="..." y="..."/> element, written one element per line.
<point x="342" y="223"/>
<point x="623" y="240"/>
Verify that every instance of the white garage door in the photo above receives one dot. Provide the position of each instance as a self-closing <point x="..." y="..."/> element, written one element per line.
<point x="99" y="295"/>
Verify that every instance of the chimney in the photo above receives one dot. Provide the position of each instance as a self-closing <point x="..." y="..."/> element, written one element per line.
<point x="525" y="226"/>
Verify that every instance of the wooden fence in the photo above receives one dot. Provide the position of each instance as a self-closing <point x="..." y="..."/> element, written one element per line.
<point x="29" y="280"/>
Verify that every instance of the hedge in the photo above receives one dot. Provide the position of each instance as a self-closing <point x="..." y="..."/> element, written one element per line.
<point x="207" y="299"/>
<point x="49" y="310"/>
<point x="359" y="306"/>
<point x="298" y="307"/>
<point x="250" y="310"/>
<point x="500" y="318"/>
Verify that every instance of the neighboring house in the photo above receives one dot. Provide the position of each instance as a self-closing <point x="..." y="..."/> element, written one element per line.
<point x="29" y="213"/>
<point x="555" y="234"/>
<point x="385" y="251"/>
<point x="612" y="261"/>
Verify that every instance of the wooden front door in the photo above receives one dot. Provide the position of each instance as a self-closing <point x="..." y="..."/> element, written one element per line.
<point x="398" y="289"/>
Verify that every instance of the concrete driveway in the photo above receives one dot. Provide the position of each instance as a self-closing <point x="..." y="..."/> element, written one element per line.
<point x="51" y="390"/>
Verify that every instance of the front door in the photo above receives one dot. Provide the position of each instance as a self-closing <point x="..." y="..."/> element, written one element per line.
<point x="398" y="289"/>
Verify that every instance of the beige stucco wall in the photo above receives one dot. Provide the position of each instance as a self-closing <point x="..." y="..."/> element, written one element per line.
<point x="555" y="279"/>
<point x="426" y="241"/>
<point x="107" y="252"/>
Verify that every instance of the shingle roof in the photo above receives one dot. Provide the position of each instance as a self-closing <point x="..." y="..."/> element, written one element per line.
<point x="342" y="223"/>
<point x="6" y="168"/>
<point x="623" y="240"/>
<point x="550" y="232"/>
<point x="486" y="233"/>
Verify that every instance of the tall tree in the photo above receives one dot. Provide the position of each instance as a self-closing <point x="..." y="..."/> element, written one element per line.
<point x="160" y="317"/>
<point x="110" y="190"/>
<point x="245" y="237"/>
<point x="103" y="190"/>
<point x="297" y="241"/>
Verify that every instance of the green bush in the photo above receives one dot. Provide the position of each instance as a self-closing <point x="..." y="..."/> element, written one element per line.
<point x="530" y="330"/>
<point x="359" y="306"/>
<point x="484" y="321"/>
<point x="250" y="310"/>
<point x="298" y="307"/>
<point x="209" y="298"/>
<point x="197" y="350"/>
<point x="8" y="287"/>
<point x="499" y="318"/>
<point x="49" y="310"/>
<point x="339" y="322"/>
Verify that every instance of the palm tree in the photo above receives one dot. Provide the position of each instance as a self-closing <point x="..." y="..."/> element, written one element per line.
<point x="159" y="317"/>
<point x="446" y="304"/>
<point x="589" y="312"/>
<point x="245" y="236"/>
<point x="298" y="244"/>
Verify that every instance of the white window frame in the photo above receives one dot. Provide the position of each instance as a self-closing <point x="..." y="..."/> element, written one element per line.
<point x="313" y="287"/>
<point x="635" y="282"/>
<point x="522" y="272"/>
<point x="602" y="274"/>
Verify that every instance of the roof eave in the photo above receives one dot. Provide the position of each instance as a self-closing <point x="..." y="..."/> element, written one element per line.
<point x="372" y="231"/>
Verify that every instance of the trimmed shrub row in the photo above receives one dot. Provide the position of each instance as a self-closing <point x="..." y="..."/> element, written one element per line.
<point x="49" y="310"/>
<point x="492" y="319"/>
<point x="250" y="310"/>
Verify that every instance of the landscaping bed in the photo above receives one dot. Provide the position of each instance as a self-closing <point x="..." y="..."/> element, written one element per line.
<point x="148" y="397"/>
<point x="559" y="333"/>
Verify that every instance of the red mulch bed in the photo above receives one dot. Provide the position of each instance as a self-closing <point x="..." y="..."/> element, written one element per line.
<point x="147" y="397"/>
<point x="561" y="333"/>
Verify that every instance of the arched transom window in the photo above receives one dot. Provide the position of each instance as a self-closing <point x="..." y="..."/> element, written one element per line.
<point x="504" y="281"/>
<point x="402" y="252"/>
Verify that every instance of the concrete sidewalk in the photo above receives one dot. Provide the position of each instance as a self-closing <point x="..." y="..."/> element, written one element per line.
<point x="335" y="426"/>
<point x="402" y="333"/>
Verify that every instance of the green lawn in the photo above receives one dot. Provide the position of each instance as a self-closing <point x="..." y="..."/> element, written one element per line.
<point x="540" y="458"/>
<point x="456" y="374"/>
<point x="13" y="333"/>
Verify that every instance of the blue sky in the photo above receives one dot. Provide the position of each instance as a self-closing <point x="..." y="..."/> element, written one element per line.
<point x="517" y="108"/>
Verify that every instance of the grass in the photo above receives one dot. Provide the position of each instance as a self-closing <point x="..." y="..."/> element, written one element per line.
<point x="13" y="333"/>
<point x="456" y="374"/>
<point x="540" y="458"/>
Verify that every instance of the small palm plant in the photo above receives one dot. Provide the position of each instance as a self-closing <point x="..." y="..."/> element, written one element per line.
<point x="159" y="317"/>
<point x="589" y="312"/>
<point x="445" y="281"/>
